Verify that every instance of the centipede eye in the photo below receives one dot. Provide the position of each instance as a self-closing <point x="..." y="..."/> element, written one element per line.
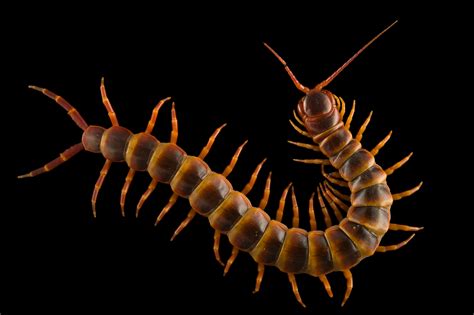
<point x="316" y="103"/>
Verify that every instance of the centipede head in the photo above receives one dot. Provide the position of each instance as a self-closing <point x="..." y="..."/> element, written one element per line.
<point x="319" y="103"/>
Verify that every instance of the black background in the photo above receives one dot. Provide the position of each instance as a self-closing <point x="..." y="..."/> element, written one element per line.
<point x="57" y="258"/>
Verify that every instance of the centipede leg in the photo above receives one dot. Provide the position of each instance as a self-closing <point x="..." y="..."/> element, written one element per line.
<point x="314" y="161"/>
<point x="215" y="247"/>
<point x="98" y="184"/>
<point x="324" y="210"/>
<point x="154" y="115"/>
<point x="332" y="179"/>
<point x="174" y="125"/>
<point x="145" y="196"/>
<point x="312" y="215"/>
<point x="234" y="160"/>
<point x="363" y="127"/>
<point x="248" y="187"/>
<point x="63" y="157"/>
<point x="258" y="282"/>
<point x="343" y="107"/>
<point x="210" y="142"/>
<point x="230" y="261"/>
<point x="326" y="284"/>
<point x="123" y="195"/>
<point x="71" y="111"/>
<point x="383" y="249"/>
<point x="335" y="199"/>
<point x="174" y="197"/>
<point x="381" y="144"/>
<point x="189" y="217"/>
<point x="337" y="192"/>
<point x="108" y="106"/>
<point x="349" y="285"/>
<point x="266" y="192"/>
<point x="331" y="203"/>
<point x="306" y="146"/>
<point x="299" y="130"/>
<point x="351" y="115"/>
<point x="281" y="206"/>
<point x="296" y="212"/>
<point x="407" y="193"/>
<point x="401" y="227"/>
<point x="396" y="166"/>
<point x="294" y="287"/>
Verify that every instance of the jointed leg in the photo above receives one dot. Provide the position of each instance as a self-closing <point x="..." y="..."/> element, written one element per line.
<point x="326" y="284"/>
<point x="407" y="193"/>
<point x="401" y="227"/>
<point x="169" y="205"/>
<point x="266" y="192"/>
<point x="363" y="127"/>
<point x="331" y="203"/>
<point x="394" y="167"/>
<point x="258" y="282"/>
<point x="230" y="261"/>
<point x="174" y="126"/>
<point x="145" y="196"/>
<point x="128" y="181"/>
<point x="351" y="115"/>
<point x="154" y="115"/>
<point x="99" y="183"/>
<point x="349" y="285"/>
<point x="217" y="240"/>
<point x="381" y="144"/>
<point x="71" y="111"/>
<point x="296" y="214"/>
<point x="297" y="118"/>
<point x="333" y="180"/>
<point x="389" y="248"/>
<point x="335" y="199"/>
<point x="253" y="178"/>
<point x="327" y="218"/>
<point x="281" y="207"/>
<point x="108" y="106"/>
<point x="234" y="160"/>
<point x="312" y="216"/>
<point x="63" y="157"/>
<point x="337" y="192"/>
<point x="189" y="217"/>
<point x="299" y="130"/>
<point x="306" y="145"/>
<point x="209" y="144"/>
<point x="294" y="287"/>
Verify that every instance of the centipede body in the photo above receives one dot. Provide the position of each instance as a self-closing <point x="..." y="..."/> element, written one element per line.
<point x="264" y="221"/>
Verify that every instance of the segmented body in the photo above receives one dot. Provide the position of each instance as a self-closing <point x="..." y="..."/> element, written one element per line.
<point x="250" y="229"/>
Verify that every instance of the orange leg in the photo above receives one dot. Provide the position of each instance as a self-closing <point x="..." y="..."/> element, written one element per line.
<point x="363" y="127"/>
<point x="331" y="203"/>
<point x="174" y="125"/>
<point x="230" y="261"/>
<point x="99" y="183"/>
<point x="296" y="212"/>
<point x="154" y="115"/>
<point x="407" y="193"/>
<point x="343" y="106"/>
<point x="327" y="218"/>
<point x="108" y="106"/>
<point x="266" y="192"/>
<point x="335" y="199"/>
<point x="145" y="196"/>
<point x="253" y="178"/>
<point x="396" y="166"/>
<point x="305" y="145"/>
<point x="389" y="248"/>
<point x="71" y="111"/>
<point x="63" y="157"/>
<point x="123" y="195"/>
<point x="190" y="216"/>
<point x="234" y="160"/>
<point x="381" y="144"/>
<point x="314" y="161"/>
<point x="169" y="205"/>
<point x="294" y="287"/>
<point x="299" y="130"/>
<point x="281" y="207"/>
<point x="312" y="216"/>
<point x="351" y="115"/>
<point x="326" y="284"/>
<point x="209" y="144"/>
<point x="349" y="285"/>
<point x="261" y="270"/>
<point x="333" y="180"/>
<point x="401" y="227"/>
<point x="337" y="192"/>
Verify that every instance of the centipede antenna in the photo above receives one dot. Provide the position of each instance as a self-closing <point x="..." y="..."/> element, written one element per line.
<point x="321" y="85"/>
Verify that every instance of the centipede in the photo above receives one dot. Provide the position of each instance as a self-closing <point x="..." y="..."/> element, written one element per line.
<point x="360" y="204"/>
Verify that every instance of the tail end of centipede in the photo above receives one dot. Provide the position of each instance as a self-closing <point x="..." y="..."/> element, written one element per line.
<point x="66" y="155"/>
